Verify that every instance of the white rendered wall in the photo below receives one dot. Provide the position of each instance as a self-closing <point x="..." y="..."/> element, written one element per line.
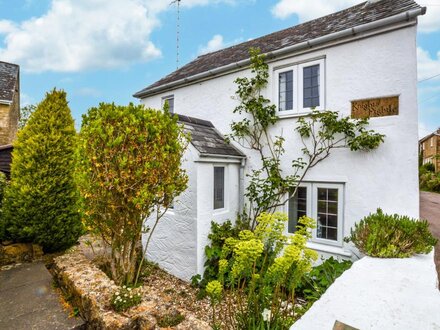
<point x="205" y="207"/>
<point x="380" y="294"/>
<point x="174" y="243"/>
<point x="377" y="66"/>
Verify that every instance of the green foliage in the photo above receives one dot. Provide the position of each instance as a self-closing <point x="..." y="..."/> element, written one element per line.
<point x="41" y="204"/>
<point x="425" y="168"/>
<point x="3" y="185"/>
<point x="170" y="320"/>
<point x="213" y="252"/>
<point x="391" y="236"/>
<point x="125" y="298"/>
<point x="263" y="271"/>
<point x="25" y="114"/>
<point x="428" y="179"/>
<point x="320" y="132"/>
<point x="318" y="280"/>
<point x="130" y="166"/>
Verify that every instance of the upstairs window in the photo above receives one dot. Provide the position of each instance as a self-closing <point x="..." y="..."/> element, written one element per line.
<point x="300" y="88"/>
<point x="285" y="97"/>
<point x="219" y="188"/>
<point x="170" y="100"/>
<point x="311" y="86"/>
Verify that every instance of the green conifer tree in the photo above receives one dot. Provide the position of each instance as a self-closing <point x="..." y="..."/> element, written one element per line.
<point x="41" y="203"/>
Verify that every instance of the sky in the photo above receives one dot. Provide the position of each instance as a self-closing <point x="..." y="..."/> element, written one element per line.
<point x="106" y="50"/>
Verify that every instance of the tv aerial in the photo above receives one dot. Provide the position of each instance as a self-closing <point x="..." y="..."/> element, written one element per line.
<point x="177" y="2"/>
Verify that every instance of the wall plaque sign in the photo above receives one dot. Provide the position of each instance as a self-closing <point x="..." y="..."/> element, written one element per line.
<point x="378" y="107"/>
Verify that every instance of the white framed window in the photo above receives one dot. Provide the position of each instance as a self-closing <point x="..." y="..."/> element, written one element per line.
<point x="170" y="100"/>
<point x="323" y="202"/>
<point x="219" y="188"/>
<point x="300" y="88"/>
<point x="432" y="142"/>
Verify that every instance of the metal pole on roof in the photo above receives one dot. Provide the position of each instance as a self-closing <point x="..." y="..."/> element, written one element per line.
<point x="177" y="31"/>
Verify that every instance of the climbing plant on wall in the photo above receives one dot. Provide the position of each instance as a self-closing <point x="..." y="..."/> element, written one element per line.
<point x="319" y="133"/>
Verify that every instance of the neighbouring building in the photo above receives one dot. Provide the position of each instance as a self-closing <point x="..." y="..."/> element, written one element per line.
<point x="429" y="148"/>
<point x="360" y="61"/>
<point x="9" y="102"/>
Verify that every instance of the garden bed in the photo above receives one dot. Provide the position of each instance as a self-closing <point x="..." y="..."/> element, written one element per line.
<point x="165" y="299"/>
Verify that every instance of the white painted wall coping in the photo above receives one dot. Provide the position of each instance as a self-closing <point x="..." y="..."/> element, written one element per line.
<point x="380" y="294"/>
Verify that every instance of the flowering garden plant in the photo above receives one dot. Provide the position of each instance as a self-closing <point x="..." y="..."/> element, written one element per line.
<point x="263" y="272"/>
<point x="125" y="298"/>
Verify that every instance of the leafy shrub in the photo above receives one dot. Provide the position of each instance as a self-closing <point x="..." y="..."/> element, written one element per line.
<point x="125" y="298"/>
<point x="430" y="181"/>
<point x="130" y="171"/>
<point x="170" y="320"/>
<point x="314" y="284"/>
<point x="41" y="204"/>
<point x="213" y="252"/>
<point x="3" y="184"/>
<point x="428" y="167"/>
<point x="391" y="236"/>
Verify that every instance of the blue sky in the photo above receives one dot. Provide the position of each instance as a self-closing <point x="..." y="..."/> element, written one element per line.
<point x="105" y="50"/>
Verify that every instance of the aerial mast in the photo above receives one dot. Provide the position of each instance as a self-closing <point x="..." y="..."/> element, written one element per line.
<point x="177" y="2"/>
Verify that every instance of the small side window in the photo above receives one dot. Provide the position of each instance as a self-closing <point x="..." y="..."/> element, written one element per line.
<point x="170" y="100"/>
<point x="219" y="188"/>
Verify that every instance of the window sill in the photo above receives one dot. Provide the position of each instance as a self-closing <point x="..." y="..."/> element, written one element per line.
<point x="289" y="114"/>
<point x="329" y="249"/>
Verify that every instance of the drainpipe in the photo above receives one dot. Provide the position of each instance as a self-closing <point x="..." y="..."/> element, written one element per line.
<point x="241" y="186"/>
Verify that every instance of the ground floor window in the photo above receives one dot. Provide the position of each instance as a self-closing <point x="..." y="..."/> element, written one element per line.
<point x="219" y="187"/>
<point x="322" y="202"/>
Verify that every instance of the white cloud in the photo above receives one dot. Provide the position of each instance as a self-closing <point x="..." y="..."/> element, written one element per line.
<point x="76" y="35"/>
<point x="430" y="22"/>
<point x="214" y="44"/>
<point x="307" y="10"/>
<point x="427" y="66"/>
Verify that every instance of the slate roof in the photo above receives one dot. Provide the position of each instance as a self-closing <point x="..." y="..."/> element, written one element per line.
<point x="357" y="15"/>
<point x="8" y="80"/>
<point x="206" y="139"/>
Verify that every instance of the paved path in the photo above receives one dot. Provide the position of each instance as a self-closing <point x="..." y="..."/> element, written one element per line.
<point x="430" y="210"/>
<point x="27" y="300"/>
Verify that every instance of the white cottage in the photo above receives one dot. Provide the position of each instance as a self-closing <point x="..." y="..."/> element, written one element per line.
<point x="361" y="59"/>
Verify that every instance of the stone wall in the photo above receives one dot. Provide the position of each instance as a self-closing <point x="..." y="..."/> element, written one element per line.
<point x="90" y="290"/>
<point x="9" y="115"/>
<point x="11" y="253"/>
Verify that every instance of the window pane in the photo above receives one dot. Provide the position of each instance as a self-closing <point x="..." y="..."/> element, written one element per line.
<point x="285" y="96"/>
<point x="219" y="187"/>
<point x="327" y="206"/>
<point x="170" y="100"/>
<point x="311" y="86"/>
<point x="297" y="208"/>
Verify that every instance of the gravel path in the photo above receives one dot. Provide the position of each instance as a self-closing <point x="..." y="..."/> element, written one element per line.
<point x="430" y="210"/>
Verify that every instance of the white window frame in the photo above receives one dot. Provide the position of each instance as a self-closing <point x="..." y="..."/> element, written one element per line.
<point x="308" y="205"/>
<point x="294" y="70"/>
<point x="167" y="98"/>
<point x="225" y="189"/>
<point x="298" y="89"/>
<point x="340" y="230"/>
<point x="300" y="85"/>
<point x="312" y="210"/>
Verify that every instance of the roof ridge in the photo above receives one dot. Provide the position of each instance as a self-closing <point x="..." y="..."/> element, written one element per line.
<point x="301" y="34"/>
